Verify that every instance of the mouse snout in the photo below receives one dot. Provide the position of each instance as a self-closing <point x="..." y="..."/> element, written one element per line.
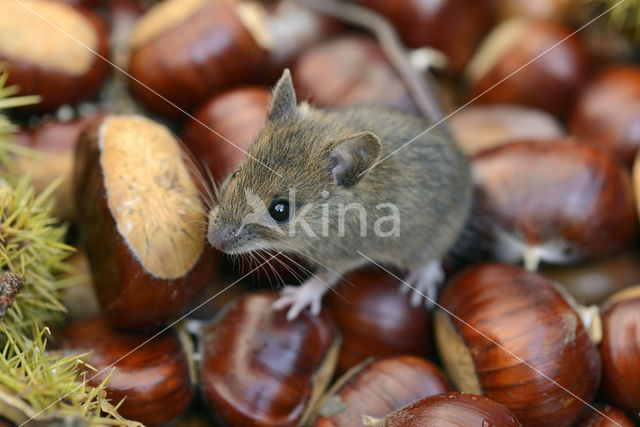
<point x="221" y="237"/>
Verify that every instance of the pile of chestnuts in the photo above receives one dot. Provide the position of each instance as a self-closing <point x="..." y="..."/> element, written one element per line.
<point x="148" y="106"/>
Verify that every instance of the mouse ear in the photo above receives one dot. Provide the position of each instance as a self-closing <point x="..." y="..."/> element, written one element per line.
<point x="284" y="97"/>
<point x="352" y="157"/>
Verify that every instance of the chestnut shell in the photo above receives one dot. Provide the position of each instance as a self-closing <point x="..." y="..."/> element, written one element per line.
<point x="151" y="371"/>
<point x="258" y="368"/>
<point x="543" y="193"/>
<point x="532" y="330"/>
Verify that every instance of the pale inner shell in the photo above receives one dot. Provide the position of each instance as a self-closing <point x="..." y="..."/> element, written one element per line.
<point x="455" y="356"/>
<point x="162" y="17"/>
<point x="47" y="34"/>
<point x="151" y="195"/>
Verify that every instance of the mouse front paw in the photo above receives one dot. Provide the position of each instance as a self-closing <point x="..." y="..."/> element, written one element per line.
<point x="424" y="283"/>
<point x="309" y="294"/>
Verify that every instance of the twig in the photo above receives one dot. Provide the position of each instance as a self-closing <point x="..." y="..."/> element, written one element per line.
<point x="418" y="87"/>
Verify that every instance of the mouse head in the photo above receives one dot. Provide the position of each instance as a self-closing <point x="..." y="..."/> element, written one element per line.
<point x="299" y="162"/>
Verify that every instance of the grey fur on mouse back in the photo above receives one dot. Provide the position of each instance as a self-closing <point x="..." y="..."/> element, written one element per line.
<point x="346" y="197"/>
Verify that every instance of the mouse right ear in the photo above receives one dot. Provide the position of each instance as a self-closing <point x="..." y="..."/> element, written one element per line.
<point x="284" y="98"/>
<point x="352" y="157"/>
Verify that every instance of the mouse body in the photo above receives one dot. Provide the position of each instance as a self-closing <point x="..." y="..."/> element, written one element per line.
<point x="339" y="186"/>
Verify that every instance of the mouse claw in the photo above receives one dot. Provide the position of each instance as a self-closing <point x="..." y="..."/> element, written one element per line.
<point x="425" y="282"/>
<point x="300" y="297"/>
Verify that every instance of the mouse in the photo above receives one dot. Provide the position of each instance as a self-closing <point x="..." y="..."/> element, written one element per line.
<point x="343" y="187"/>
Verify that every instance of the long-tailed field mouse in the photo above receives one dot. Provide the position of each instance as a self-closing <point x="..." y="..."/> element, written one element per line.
<point x="334" y="185"/>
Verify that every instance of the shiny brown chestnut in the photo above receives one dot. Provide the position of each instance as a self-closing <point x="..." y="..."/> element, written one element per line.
<point x="512" y="336"/>
<point x="620" y="349"/>
<point x="236" y="116"/>
<point x="404" y="379"/>
<point x="556" y="10"/>
<point x="529" y="62"/>
<point x="452" y="408"/>
<point x="349" y="70"/>
<point x="480" y="127"/>
<point x="258" y="368"/>
<point x="186" y="50"/>
<point x="376" y="320"/>
<point x="592" y="282"/>
<point x="555" y="201"/>
<point x="454" y="27"/>
<point x="607" y="112"/>
<point x="142" y="219"/>
<point x="53" y="146"/>
<point x="605" y="416"/>
<point x="155" y="373"/>
<point x="51" y="49"/>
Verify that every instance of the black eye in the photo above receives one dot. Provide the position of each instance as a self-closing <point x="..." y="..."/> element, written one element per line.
<point x="234" y="174"/>
<point x="279" y="210"/>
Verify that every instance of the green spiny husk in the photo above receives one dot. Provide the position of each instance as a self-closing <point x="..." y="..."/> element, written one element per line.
<point x="41" y="387"/>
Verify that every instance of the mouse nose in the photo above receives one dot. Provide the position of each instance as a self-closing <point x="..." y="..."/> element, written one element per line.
<point x="221" y="237"/>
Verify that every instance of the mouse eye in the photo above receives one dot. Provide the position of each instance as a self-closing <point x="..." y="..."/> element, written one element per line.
<point x="234" y="174"/>
<point x="279" y="210"/>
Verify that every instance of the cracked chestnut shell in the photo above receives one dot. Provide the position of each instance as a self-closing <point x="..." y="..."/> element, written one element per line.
<point x="142" y="220"/>
<point x="620" y="349"/>
<point x="378" y="387"/>
<point x="258" y="368"/>
<point x="510" y="335"/>
<point x="153" y="371"/>
<point x="376" y="320"/>
<point x="556" y="201"/>
<point x="56" y="62"/>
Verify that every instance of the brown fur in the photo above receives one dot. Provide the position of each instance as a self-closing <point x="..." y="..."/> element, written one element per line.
<point x="428" y="180"/>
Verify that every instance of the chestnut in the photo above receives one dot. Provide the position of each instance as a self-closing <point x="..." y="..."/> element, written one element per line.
<point x="452" y="408"/>
<point x="53" y="145"/>
<point x="142" y="219"/>
<point x="258" y="368"/>
<point x="529" y="62"/>
<point x="511" y="335"/>
<point x="237" y="116"/>
<point x="186" y="50"/>
<point x="349" y="70"/>
<point x="620" y="349"/>
<point x="480" y="127"/>
<point x="556" y="10"/>
<point x="605" y="416"/>
<point x="56" y="59"/>
<point x="592" y="282"/>
<point x="403" y="379"/>
<point x="454" y="27"/>
<point x="607" y="112"/>
<point x="376" y="320"/>
<point x="153" y="373"/>
<point x="552" y="201"/>
<point x="293" y="28"/>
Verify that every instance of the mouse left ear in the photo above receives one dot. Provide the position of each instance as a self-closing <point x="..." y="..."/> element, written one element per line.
<point x="284" y="97"/>
<point x="352" y="157"/>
